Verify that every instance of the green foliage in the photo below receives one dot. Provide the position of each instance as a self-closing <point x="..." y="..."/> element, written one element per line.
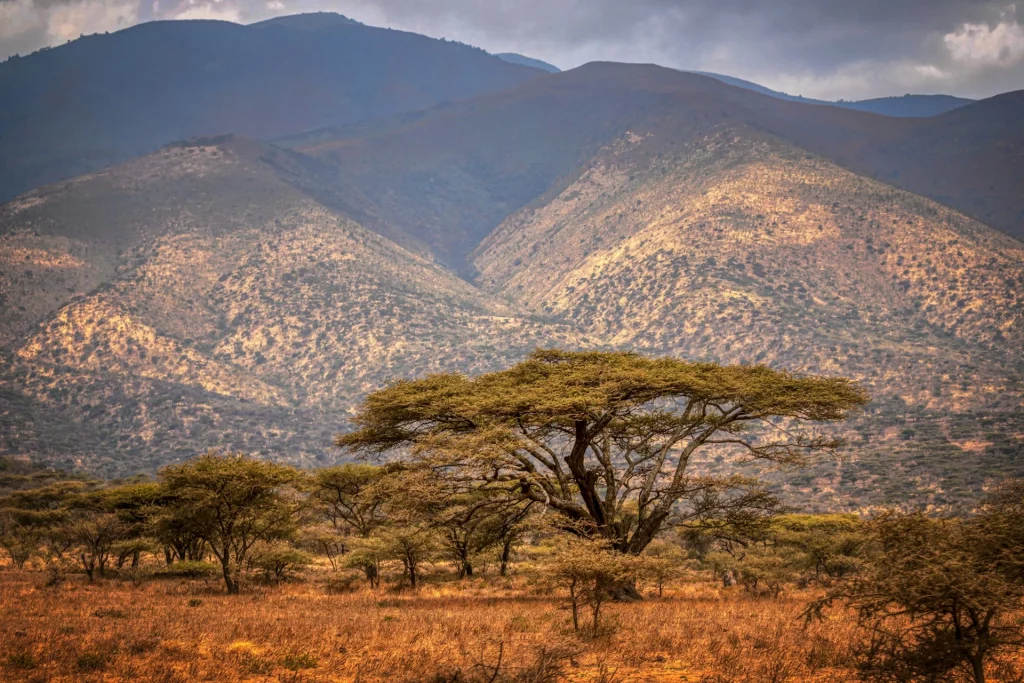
<point x="190" y="569"/>
<point x="279" y="561"/>
<point x="350" y="496"/>
<point x="592" y="573"/>
<point x="234" y="503"/>
<point x="939" y="598"/>
<point x="606" y="439"/>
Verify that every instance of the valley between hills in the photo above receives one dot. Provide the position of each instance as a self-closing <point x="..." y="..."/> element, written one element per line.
<point x="226" y="293"/>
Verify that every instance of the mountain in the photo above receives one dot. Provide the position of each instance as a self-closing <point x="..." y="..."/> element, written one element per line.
<point x="225" y="292"/>
<point x="450" y="175"/>
<point x="522" y="60"/>
<point x="920" y="106"/>
<point x="106" y="98"/>
<point x="201" y="297"/>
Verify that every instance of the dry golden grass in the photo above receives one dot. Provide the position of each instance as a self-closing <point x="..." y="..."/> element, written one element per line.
<point x="446" y="631"/>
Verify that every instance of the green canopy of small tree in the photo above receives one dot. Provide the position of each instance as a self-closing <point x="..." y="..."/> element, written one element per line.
<point x="608" y="440"/>
<point x="234" y="503"/>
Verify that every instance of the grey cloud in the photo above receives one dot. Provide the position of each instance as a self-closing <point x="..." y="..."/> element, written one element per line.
<point x="825" y="48"/>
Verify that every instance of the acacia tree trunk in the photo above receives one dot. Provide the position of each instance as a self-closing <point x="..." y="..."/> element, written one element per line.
<point x="506" y="554"/>
<point x="978" y="667"/>
<point x="226" y="570"/>
<point x="89" y="564"/>
<point x="575" y="598"/>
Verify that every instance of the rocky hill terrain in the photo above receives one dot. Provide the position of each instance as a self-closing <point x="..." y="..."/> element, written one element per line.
<point x="228" y="293"/>
<point x="228" y="309"/>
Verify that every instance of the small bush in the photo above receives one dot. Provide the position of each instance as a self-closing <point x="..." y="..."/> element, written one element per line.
<point x="301" y="660"/>
<point x="92" y="661"/>
<point x="195" y="602"/>
<point x="337" y="585"/>
<point x="21" y="660"/>
<point x="143" y="645"/>
<point x="189" y="570"/>
<point x="110" y="614"/>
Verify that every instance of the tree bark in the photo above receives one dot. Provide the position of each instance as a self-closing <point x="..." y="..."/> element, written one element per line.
<point x="229" y="580"/>
<point x="506" y="555"/>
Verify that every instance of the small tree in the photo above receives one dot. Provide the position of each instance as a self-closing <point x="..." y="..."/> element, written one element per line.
<point x="468" y="520"/>
<point x="350" y="497"/>
<point x="938" y="598"/>
<point x="233" y="503"/>
<point x="279" y="560"/>
<point x="96" y="534"/>
<point x="590" y="573"/>
<point x="19" y="534"/>
<point x="413" y="545"/>
<point x="366" y="555"/>
<point x="661" y="562"/>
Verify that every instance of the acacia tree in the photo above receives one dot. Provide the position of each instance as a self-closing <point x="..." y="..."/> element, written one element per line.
<point x="350" y="497"/>
<point x="468" y="519"/>
<point x="96" y="534"/>
<point x="233" y="503"/>
<point x="938" y="598"/>
<point x="607" y="440"/>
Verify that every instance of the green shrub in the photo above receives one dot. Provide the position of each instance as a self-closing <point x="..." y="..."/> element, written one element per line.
<point x="21" y="660"/>
<point x="300" y="660"/>
<point x="189" y="570"/>
<point x="92" y="661"/>
<point x="110" y="614"/>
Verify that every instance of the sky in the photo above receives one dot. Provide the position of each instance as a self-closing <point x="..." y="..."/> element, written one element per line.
<point x="828" y="49"/>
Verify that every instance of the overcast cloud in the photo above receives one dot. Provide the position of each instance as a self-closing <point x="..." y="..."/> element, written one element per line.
<point x="818" y="48"/>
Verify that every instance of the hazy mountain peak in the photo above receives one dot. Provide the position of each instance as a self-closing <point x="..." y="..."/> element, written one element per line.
<point x="310" y="21"/>
<point x="523" y="60"/>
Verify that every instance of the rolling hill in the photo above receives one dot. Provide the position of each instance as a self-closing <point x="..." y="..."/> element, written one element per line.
<point x="106" y="98"/>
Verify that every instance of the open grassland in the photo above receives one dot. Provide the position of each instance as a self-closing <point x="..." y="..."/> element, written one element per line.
<point x="446" y="631"/>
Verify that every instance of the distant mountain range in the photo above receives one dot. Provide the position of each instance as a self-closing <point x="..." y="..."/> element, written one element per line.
<point x="921" y="106"/>
<point x="106" y="98"/>
<point x="223" y="291"/>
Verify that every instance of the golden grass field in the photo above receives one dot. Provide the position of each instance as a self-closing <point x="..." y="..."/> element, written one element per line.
<point x="444" y="632"/>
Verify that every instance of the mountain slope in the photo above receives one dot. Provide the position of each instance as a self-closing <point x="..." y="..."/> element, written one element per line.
<point x="228" y="293"/>
<point x="744" y="249"/>
<point x="226" y="308"/>
<point x="523" y="60"/>
<point x="449" y="175"/>
<point x="105" y="98"/>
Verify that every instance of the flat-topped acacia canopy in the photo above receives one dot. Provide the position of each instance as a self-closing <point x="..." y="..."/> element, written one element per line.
<point x="605" y="438"/>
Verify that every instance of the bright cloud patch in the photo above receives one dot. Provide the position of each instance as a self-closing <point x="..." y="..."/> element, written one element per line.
<point x="67" y="22"/>
<point x="982" y="45"/>
<point x="217" y="9"/>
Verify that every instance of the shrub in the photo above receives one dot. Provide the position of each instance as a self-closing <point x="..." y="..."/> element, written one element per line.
<point x="92" y="661"/>
<point x="189" y="570"/>
<point x="299" y="660"/>
<point x="21" y="660"/>
<point x="347" y="583"/>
